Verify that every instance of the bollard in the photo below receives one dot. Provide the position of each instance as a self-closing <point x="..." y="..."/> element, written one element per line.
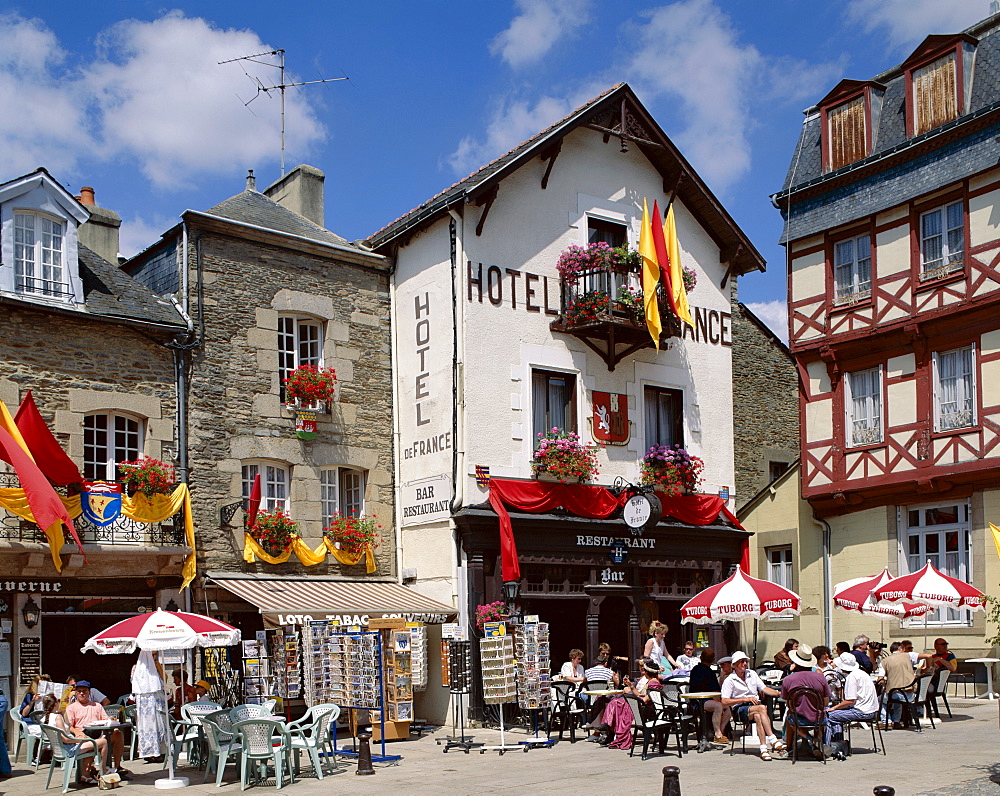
<point x="884" y="790"/>
<point x="364" y="748"/>
<point x="671" y="781"/>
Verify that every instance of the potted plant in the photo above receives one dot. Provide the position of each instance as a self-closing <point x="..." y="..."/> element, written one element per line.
<point x="561" y="456"/>
<point x="630" y="303"/>
<point x="491" y="612"/>
<point x="671" y="470"/>
<point x="274" y="531"/>
<point x="310" y="387"/>
<point x="578" y="259"/>
<point x="588" y="307"/>
<point x="353" y="534"/>
<point x="147" y="475"/>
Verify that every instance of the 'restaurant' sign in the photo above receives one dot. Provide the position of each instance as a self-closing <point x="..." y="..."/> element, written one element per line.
<point x="426" y="499"/>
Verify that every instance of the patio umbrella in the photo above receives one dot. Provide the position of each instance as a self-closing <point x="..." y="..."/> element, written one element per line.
<point x="163" y="630"/>
<point x="740" y="597"/>
<point x="855" y="596"/>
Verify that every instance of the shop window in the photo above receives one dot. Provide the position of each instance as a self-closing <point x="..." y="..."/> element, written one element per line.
<point x="863" y="401"/>
<point x="38" y="256"/>
<point x="852" y="269"/>
<point x="940" y="534"/>
<point x="942" y="241"/>
<point x="664" y="417"/>
<point x="553" y="400"/>
<point x="273" y="485"/>
<point x="300" y="342"/>
<point x="342" y="491"/>
<point x="108" y="439"/>
<point x="954" y="388"/>
<point x="846" y="132"/>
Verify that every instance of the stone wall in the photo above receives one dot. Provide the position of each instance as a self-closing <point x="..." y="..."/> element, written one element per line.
<point x="765" y="403"/>
<point x="235" y="408"/>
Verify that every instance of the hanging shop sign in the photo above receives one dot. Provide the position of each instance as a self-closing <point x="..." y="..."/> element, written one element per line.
<point x="426" y="499"/>
<point x="609" y="422"/>
<point x="494" y="629"/>
<point x="642" y="511"/>
<point x="610" y="576"/>
<point x="618" y="552"/>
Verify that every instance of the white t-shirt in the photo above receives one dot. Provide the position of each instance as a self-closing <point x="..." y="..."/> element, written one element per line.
<point x="568" y="670"/>
<point x="859" y="687"/>
<point x="735" y="687"/>
<point x="688" y="661"/>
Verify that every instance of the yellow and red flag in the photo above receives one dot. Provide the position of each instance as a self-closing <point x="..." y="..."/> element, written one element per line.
<point x="996" y="536"/>
<point x="662" y="258"/>
<point x="650" y="276"/>
<point x="676" y="273"/>
<point x="7" y="424"/>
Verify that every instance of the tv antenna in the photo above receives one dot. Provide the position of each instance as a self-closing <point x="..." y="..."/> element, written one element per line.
<point x="281" y="85"/>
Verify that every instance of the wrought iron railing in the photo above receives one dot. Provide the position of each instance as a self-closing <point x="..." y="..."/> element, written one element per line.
<point x="603" y="295"/>
<point x="122" y="531"/>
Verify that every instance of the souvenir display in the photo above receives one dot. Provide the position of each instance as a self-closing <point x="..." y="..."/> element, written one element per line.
<point x="285" y="662"/>
<point x="322" y="665"/>
<point x="497" y="659"/>
<point x="418" y="655"/>
<point x="399" y="676"/>
<point x="225" y="679"/>
<point x="459" y="667"/>
<point x="533" y="665"/>
<point x="258" y="680"/>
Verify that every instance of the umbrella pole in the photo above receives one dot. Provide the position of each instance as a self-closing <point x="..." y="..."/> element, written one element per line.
<point x="755" y="643"/>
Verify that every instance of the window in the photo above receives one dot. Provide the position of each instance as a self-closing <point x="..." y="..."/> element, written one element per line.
<point x="863" y="402"/>
<point x="935" y="94"/>
<point x="553" y="400"/>
<point x="779" y="567"/>
<point x="664" y="417"/>
<point x="300" y="342"/>
<point x="776" y="469"/>
<point x="846" y="129"/>
<point x="954" y="389"/>
<point x="940" y="534"/>
<point x="852" y="269"/>
<point x="342" y="491"/>
<point x="108" y="439"/>
<point x="38" y="255"/>
<point x="942" y="241"/>
<point x="611" y="232"/>
<point x="273" y="485"/>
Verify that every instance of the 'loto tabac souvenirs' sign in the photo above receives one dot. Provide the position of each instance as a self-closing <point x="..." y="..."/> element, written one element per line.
<point x="609" y="422"/>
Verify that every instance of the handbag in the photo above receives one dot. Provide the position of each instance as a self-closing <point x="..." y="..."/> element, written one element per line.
<point x="109" y="781"/>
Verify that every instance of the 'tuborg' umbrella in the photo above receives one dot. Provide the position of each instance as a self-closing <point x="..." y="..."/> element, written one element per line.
<point x="855" y="596"/>
<point x="740" y="597"/>
<point x="933" y="588"/>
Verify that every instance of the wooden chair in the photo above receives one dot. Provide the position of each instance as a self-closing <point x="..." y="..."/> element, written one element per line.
<point x="814" y="702"/>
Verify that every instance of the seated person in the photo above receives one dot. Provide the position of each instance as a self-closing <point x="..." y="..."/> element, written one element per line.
<point x="97" y="696"/>
<point x="100" y="745"/>
<point x="803" y="674"/>
<point x="82" y="712"/>
<point x="201" y="689"/>
<point x="842" y="647"/>
<point x="943" y="658"/>
<point x="742" y="691"/>
<point x="781" y="659"/>
<point x="572" y="670"/>
<point x="703" y="679"/>
<point x="860" y="701"/>
<point x="619" y="664"/>
<point x="688" y="659"/>
<point x="866" y="656"/>
<point x="31" y="702"/>
<point x="599" y="672"/>
<point x="183" y="693"/>
<point x="824" y="664"/>
<point x="899" y="674"/>
<point x="649" y="681"/>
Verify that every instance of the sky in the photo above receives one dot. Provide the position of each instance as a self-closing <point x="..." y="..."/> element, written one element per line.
<point x="130" y="97"/>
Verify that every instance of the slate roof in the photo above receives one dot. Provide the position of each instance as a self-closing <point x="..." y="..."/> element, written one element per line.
<point x="111" y="293"/>
<point x="893" y="185"/>
<point x="252" y="207"/>
<point x="666" y="157"/>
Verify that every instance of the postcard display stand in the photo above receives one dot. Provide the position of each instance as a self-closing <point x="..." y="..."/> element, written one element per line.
<point x="258" y="682"/>
<point x="496" y="655"/>
<point x="418" y="655"/>
<point x="286" y="664"/>
<point x="457" y="678"/>
<point x="533" y="678"/>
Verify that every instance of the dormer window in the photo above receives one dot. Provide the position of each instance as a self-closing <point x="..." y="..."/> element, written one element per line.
<point x="38" y="255"/>
<point x="850" y="113"/>
<point x="938" y="82"/>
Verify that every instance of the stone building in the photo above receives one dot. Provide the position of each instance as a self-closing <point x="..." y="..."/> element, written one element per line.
<point x="94" y="347"/>
<point x="765" y="404"/>
<point x="893" y="233"/>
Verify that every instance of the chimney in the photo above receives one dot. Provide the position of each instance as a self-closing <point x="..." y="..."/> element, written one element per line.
<point x="251" y="181"/>
<point x="301" y="191"/>
<point x="100" y="233"/>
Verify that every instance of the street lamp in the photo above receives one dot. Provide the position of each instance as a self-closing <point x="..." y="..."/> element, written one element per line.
<point x="31" y="613"/>
<point x="511" y="590"/>
<point x="172" y="606"/>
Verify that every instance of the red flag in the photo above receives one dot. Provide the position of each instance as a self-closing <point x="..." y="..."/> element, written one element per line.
<point x="254" y="503"/>
<point x="661" y="256"/>
<point x="46" y="507"/>
<point x="48" y="454"/>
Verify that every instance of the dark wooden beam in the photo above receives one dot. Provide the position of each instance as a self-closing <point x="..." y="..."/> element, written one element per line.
<point x="486" y="199"/>
<point x="550" y="155"/>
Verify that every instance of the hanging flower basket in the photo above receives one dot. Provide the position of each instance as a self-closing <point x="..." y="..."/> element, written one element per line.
<point x="274" y="531"/>
<point x="671" y="470"/>
<point x="147" y="475"/>
<point x="311" y="388"/>
<point x="562" y="456"/>
<point x="353" y="534"/>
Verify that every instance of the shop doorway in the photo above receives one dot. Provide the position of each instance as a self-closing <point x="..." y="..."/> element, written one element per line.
<point x="613" y="627"/>
<point x="567" y="620"/>
<point x="62" y="637"/>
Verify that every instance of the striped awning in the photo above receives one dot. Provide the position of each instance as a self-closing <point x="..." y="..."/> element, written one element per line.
<point x="285" y="601"/>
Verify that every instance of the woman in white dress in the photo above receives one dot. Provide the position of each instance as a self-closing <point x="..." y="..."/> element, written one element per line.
<point x="656" y="647"/>
<point x="150" y="704"/>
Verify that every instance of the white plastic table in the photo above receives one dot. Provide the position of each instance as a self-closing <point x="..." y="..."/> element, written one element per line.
<point x="988" y="663"/>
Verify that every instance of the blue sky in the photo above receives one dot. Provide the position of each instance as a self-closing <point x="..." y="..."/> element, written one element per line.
<point x="128" y="97"/>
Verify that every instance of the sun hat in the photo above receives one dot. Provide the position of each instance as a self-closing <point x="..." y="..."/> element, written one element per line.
<point x="204" y="684"/>
<point x="803" y="656"/>
<point x="846" y="662"/>
<point x="726" y="659"/>
<point x="739" y="656"/>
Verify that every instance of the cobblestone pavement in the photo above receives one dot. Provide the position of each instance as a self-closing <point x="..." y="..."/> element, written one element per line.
<point x="959" y="758"/>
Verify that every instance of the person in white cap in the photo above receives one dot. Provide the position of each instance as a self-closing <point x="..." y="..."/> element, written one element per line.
<point x="860" y="701"/>
<point x="742" y="692"/>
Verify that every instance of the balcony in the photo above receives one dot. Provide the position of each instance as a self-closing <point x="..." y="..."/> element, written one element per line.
<point x="603" y="308"/>
<point x="122" y="532"/>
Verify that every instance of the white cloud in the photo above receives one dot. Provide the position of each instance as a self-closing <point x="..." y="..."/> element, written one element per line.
<point x="538" y="27"/>
<point x="908" y="22"/>
<point x="774" y="314"/>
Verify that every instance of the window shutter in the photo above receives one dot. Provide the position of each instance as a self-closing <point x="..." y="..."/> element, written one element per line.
<point x="847" y="133"/>
<point x="935" y="94"/>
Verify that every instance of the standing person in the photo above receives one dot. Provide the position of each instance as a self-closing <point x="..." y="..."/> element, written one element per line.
<point x="860" y="701"/>
<point x="804" y="675"/>
<point x="742" y="692"/>
<point x="656" y="647"/>
<point x="4" y="758"/>
<point x="703" y="679"/>
<point x="150" y="705"/>
<point x="689" y="658"/>
<point x="781" y="659"/>
<point x="31" y="702"/>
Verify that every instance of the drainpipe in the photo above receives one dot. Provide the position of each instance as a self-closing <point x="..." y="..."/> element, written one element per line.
<point x="456" y="234"/>
<point x="394" y="322"/>
<point x="827" y="582"/>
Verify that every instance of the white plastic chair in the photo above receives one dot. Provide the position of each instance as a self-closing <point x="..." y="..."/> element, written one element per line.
<point x="311" y="733"/>
<point x="221" y="746"/>
<point x="257" y="739"/>
<point x="62" y="744"/>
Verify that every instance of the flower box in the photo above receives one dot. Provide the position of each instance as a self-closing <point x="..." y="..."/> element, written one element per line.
<point x="562" y="457"/>
<point x="274" y="531"/>
<point x="147" y="475"/>
<point x="671" y="470"/>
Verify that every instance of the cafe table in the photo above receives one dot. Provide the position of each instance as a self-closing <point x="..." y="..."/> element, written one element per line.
<point x="988" y="665"/>
<point x="703" y="727"/>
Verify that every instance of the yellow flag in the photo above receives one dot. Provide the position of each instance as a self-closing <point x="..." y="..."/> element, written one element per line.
<point x="7" y="423"/>
<point x="650" y="276"/>
<point x="996" y="537"/>
<point x="676" y="273"/>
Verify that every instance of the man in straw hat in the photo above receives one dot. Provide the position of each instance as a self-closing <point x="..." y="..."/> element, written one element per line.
<point x="860" y="701"/>
<point x="804" y="675"/>
<point x="742" y="692"/>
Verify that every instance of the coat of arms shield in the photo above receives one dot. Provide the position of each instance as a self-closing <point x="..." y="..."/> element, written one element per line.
<point x="101" y="503"/>
<point x="610" y="423"/>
